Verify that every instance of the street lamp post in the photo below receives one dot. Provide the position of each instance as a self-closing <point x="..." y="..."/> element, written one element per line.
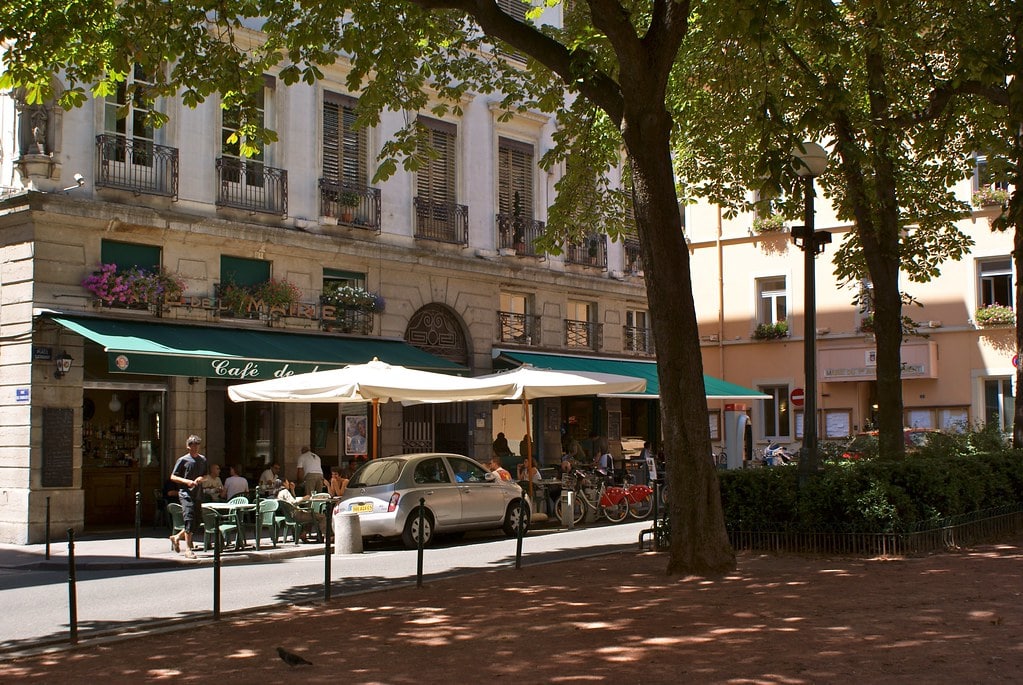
<point x="809" y="160"/>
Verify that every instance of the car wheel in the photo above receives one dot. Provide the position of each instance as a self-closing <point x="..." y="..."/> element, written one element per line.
<point x="516" y="513"/>
<point x="411" y="534"/>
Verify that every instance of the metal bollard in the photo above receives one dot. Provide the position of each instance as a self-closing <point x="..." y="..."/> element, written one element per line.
<point x="47" y="527"/>
<point x="72" y="591"/>
<point x="521" y="531"/>
<point x="327" y="529"/>
<point x="419" y="562"/>
<point x="567" y="504"/>
<point x="216" y="566"/>
<point x="138" y="524"/>
<point x="258" y="526"/>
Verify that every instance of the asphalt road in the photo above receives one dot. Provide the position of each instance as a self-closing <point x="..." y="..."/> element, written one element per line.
<point x="36" y="602"/>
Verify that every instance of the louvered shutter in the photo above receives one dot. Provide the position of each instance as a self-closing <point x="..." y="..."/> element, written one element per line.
<point x="435" y="180"/>
<point x="344" y="147"/>
<point x="515" y="175"/>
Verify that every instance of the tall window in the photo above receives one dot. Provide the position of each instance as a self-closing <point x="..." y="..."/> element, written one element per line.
<point x="776" y="411"/>
<point x="516" y="9"/>
<point x="984" y="176"/>
<point x="333" y="278"/>
<point x="127" y="119"/>
<point x="995" y="282"/>
<point x="263" y="104"/>
<point x="999" y="403"/>
<point x="344" y="147"/>
<point x="638" y="337"/>
<point x="580" y="327"/>
<point x="515" y="303"/>
<point x="435" y="179"/>
<point x="515" y="178"/>
<point x="772" y="302"/>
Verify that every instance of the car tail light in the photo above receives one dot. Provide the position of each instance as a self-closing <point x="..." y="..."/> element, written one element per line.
<point x="393" y="503"/>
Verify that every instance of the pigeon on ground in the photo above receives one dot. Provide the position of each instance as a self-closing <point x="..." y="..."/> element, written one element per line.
<point x="292" y="659"/>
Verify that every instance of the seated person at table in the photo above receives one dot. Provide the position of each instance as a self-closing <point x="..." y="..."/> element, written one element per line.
<point x="270" y="480"/>
<point x="235" y="483"/>
<point x="337" y="485"/>
<point x="534" y="473"/>
<point x="495" y="466"/>
<point x="213" y="488"/>
<point x="302" y="515"/>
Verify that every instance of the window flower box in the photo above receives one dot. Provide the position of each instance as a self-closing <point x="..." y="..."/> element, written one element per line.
<point x="990" y="197"/>
<point x="772" y="223"/>
<point x="771" y="331"/>
<point x="995" y="315"/>
<point x="134" y="288"/>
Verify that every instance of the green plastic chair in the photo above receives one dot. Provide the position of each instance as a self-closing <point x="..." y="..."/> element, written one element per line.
<point x="285" y="520"/>
<point x="226" y="528"/>
<point x="177" y="518"/>
<point x="239" y="499"/>
<point x="266" y="518"/>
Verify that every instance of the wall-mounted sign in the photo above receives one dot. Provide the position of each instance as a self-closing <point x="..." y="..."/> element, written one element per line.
<point x="42" y="354"/>
<point x="22" y="395"/>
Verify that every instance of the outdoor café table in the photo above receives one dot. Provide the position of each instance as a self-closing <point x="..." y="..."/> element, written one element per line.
<point x="232" y="511"/>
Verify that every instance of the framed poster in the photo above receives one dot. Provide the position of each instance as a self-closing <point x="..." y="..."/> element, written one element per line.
<point x="356" y="443"/>
<point x="714" y="416"/>
<point x="320" y="434"/>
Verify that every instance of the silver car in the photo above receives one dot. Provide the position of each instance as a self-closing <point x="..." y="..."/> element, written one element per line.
<point x="459" y="493"/>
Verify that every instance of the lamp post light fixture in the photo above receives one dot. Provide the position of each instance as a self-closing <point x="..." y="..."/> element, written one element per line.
<point x="809" y="161"/>
<point x="63" y="363"/>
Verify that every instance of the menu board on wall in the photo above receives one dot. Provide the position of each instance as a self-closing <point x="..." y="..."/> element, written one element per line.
<point x="58" y="443"/>
<point x="614" y="425"/>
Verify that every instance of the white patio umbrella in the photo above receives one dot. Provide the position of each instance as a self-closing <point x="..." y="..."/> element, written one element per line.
<point x="374" y="382"/>
<point x="533" y="383"/>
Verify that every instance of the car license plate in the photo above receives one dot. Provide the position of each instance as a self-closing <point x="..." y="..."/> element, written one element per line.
<point x="360" y="508"/>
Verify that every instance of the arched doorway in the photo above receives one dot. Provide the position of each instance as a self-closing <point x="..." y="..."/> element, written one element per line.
<point x="438" y="330"/>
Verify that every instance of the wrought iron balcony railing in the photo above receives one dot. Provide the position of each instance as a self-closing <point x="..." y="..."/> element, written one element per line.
<point x="591" y="252"/>
<point x="583" y="334"/>
<point x="638" y="339"/>
<point x="347" y="320"/>
<point x="446" y="222"/>
<point x="518" y="233"/>
<point x="357" y="206"/>
<point x="135" y="165"/>
<point x="253" y="186"/>
<point x="521" y="329"/>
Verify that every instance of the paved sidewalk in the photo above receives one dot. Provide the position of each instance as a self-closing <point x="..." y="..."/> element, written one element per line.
<point x="116" y="550"/>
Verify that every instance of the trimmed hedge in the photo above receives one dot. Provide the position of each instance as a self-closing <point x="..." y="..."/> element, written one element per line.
<point x="873" y="496"/>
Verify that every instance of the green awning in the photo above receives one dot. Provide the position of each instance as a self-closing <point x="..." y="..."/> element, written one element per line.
<point x="715" y="388"/>
<point x="167" y="349"/>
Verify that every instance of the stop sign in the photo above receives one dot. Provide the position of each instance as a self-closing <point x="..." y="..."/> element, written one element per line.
<point x="797" y="397"/>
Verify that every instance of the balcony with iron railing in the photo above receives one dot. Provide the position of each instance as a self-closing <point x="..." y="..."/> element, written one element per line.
<point x="519" y="233"/>
<point x="350" y="205"/>
<point x="592" y="251"/>
<point x="638" y="339"/>
<point x="587" y="335"/>
<point x="351" y="320"/>
<point x="520" y="329"/>
<point x="138" y="166"/>
<point x="446" y="222"/>
<point x="252" y="186"/>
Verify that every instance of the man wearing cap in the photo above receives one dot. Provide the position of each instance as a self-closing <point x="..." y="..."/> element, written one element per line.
<point x="189" y="472"/>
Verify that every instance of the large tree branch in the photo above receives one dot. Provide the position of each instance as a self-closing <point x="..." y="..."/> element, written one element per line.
<point x="577" y="68"/>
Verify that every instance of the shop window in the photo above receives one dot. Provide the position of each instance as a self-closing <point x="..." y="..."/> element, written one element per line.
<point x="130" y="255"/>
<point x="244" y="272"/>
<point x="776" y="411"/>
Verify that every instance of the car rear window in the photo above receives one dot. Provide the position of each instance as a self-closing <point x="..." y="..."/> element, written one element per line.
<point x="377" y="472"/>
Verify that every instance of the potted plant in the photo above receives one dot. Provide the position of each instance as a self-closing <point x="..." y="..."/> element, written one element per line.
<point x="770" y="223"/>
<point x="133" y="289"/>
<point x="345" y="296"/>
<point x="233" y="299"/>
<point x="593" y="248"/>
<point x="867" y="323"/>
<point x="348" y="201"/>
<point x="995" y="315"/>
<point x="276" y="294"/>
<point x="518" y="225"/>
<point x="771" y="331"/>
<point x="989" y="196"/>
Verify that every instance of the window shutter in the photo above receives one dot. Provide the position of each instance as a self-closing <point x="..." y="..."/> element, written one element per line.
<point x="515" y="175"/>
<point x="435" y="180"/>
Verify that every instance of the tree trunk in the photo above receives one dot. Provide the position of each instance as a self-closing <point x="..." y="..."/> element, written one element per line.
<point x="699" y="541"/>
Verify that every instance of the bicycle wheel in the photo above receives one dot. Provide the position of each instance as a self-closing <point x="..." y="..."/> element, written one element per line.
<point x="615" y="513"/>
<point x="578" y="508"/>
<point x="641" y="509"/>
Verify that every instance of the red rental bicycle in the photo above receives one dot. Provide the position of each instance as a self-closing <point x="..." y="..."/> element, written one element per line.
<point x="639" y="499"/>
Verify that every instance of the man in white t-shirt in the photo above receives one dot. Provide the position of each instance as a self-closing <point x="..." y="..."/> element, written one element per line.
<point x="310" y="471"/>
<point x="270" y="480"/>
<point x="236" y="484"/>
